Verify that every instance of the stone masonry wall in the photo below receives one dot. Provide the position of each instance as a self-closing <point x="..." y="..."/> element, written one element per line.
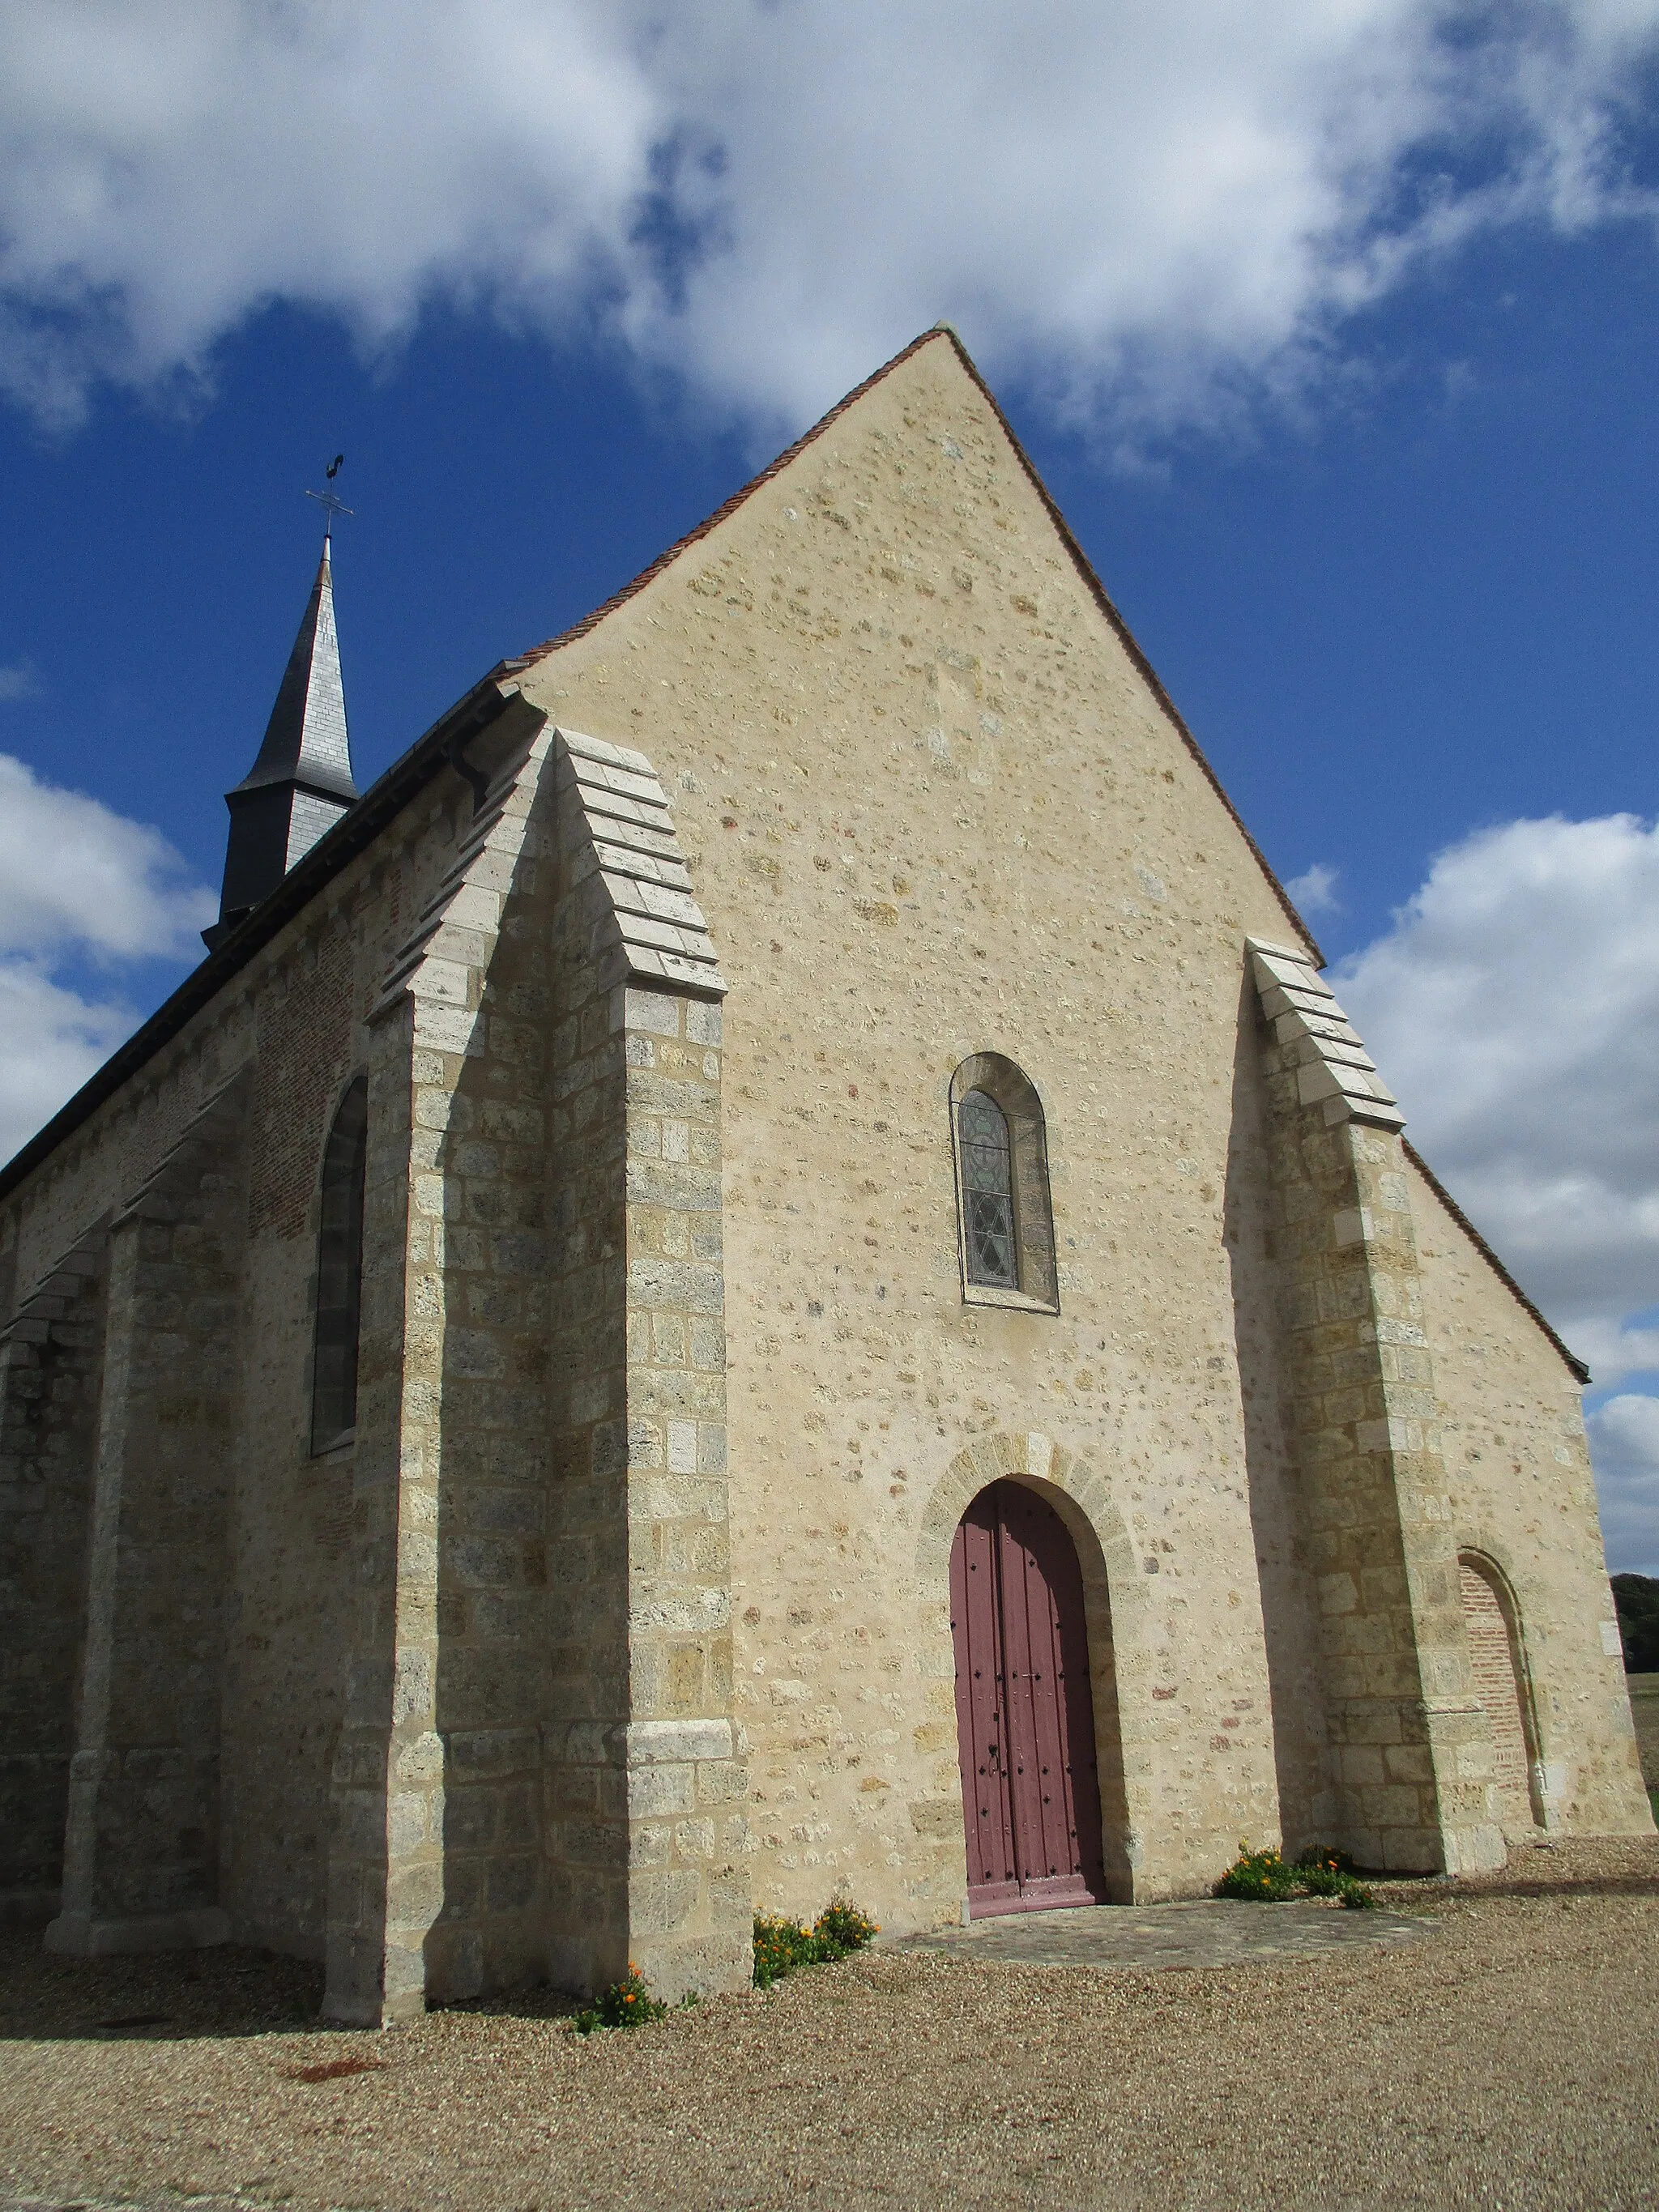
<point x="1521" y="1496"/>
<point x="141" y="1860"/>
<point x="932" y="809"/>
<point x="431" y="1884"/>
<point x="646" y="1837"/>
<point x="383" y="1892"/>
<point x="311" y="1653"/>
<point x="49" y="1369"/>
<point x="1410" y="1757"/>
<point x="573" y="1648"/>
<point x="1296" y="1667"/>
<point x="477" y="1378"/>
<point x="290" y="1618"/>
<point x="545" y="1677"/>
<point x="296" y="1537"/>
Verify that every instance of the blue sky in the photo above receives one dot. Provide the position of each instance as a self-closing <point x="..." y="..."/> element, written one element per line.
<point x="1337" y="347"/>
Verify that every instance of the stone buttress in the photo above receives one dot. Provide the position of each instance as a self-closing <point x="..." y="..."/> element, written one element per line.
<point x="647" y="1789"/>
<point x="1409" y="1748"/>
<point x="539" y="1773"/>
<point x="50" y="1358"/>
<point x="142" y="1859"/>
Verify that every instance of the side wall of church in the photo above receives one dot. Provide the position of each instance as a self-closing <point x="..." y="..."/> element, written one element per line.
<point x="931" y="809"/>
<point x="1263" y="1307"/>
<point x="538" y="1770"/>
<point x="1524" y="1498"/>
<point x="293" y="1524"/>
<point x="308" y="1547"/>
<point x="287" y="1550"/>
<point x="49" y="1371"/>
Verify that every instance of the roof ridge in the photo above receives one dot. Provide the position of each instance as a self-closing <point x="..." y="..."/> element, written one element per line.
<point x="1577" y="1366"/>
<point x="728" y="506"/>
<point x="398" y="782"/>
<point x="1080" y="561"/>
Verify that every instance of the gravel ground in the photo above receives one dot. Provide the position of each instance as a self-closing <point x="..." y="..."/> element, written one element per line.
<point x="1508" y="2061"/>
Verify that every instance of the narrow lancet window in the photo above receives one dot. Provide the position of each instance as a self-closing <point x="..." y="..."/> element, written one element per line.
<point x="1002" y="1187"/>
<point x="340" y="1274"/>
<point x="988" y="1191"/>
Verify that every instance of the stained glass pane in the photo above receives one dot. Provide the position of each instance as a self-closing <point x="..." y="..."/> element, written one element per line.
<point x="988" y="1191"/>
<point x="339" y="1274"/>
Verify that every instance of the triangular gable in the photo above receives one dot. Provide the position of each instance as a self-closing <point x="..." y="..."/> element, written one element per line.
<point x="497" y="694"/>
<point x="943" y="334"/>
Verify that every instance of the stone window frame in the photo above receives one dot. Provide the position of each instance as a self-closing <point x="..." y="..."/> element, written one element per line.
<point x="337" y="1306"/>
<point x="1508" y="1605"/>
<point x="1014" y="1093"/>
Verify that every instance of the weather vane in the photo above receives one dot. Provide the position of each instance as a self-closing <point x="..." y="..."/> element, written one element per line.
<point x="329" y="500"/>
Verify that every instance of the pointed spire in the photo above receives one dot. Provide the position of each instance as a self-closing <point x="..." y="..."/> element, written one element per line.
<point x="301" y="783"/>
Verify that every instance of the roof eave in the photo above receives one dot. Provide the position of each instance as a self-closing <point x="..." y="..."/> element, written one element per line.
<point x="352" y="833"/>
<point x="1576" y="1366"/>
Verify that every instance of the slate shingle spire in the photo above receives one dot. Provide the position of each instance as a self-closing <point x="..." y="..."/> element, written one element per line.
<point x="301" y="782"/>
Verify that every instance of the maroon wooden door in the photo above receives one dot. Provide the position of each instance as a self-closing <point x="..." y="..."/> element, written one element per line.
<point x="1025" y="1719"/>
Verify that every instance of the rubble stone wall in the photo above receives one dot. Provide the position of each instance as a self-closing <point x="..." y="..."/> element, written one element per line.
<point x="931" y="809"/>
<point x="1522" y="1496"/>
<point x="50" y="1363"/>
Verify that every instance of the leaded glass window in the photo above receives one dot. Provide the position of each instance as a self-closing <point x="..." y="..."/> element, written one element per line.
<point x="340" y="1274"/>
<point x="1005" y="1218"/>
<point x="988" y="1191"/>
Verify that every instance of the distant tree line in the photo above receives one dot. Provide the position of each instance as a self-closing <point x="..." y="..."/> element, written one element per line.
<point x="1637" y="1597"/>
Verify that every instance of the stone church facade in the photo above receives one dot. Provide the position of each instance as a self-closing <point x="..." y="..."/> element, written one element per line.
<point x="790" y="1158"/>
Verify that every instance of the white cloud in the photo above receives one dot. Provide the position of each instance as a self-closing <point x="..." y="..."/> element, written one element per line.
<point x="1314" y="890"/>
<point x="17" y="681"/>
<point x="1625" y="1440"/>
<point x="72" y="872"/>
<point x="1151" y="205"/>
<point x="1514" y="1007"/>
<point x="50" y="1040"/>
<point x="78" y="883"/>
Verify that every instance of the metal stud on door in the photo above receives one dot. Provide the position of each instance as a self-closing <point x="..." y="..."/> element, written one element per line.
<point x="1024" y="1709"/>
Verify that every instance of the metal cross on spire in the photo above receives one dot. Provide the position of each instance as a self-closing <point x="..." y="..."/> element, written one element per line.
<point x="328" y="499"/>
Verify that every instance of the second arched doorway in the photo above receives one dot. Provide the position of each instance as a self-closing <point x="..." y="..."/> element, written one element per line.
<point x="1026" y="1718"/>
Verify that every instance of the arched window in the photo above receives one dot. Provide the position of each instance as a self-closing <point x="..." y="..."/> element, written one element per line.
<point x="339" y="1274"/>
<point x="1007" y="1232"/>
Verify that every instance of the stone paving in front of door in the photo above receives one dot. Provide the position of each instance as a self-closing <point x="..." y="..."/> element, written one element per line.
<point x="1162" y="1938"/>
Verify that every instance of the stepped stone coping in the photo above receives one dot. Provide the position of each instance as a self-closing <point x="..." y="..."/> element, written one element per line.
<point x="53" y="1295"/>
<point x="654" y="932"/>
<point x="1333" y="1067"/>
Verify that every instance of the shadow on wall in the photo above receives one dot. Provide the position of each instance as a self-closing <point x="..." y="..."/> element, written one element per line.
<point x="1307" y="1800"/>
<point x="511" y="1668"/>
<point x="48" y="1433"/>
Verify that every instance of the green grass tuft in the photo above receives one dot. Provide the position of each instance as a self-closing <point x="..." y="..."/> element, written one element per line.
<point x="1266" y="1877"/>
<point x="627" y="2003"/>
<point x="781" y="1945"/>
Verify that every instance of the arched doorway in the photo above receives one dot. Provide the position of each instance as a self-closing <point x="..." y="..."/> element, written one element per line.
<point x="1500" y="1686"/>
<point x="1025" y="1719"/>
